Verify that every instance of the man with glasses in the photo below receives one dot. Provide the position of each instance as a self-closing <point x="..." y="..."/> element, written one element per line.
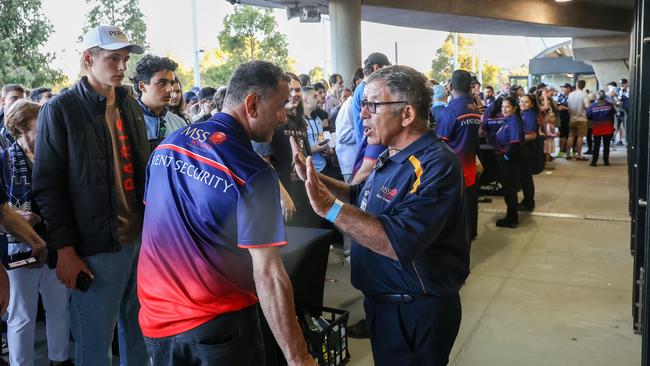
<point x="366" y="154"/>
<point x="153" y="81"/>
<point x="410" y="251"/>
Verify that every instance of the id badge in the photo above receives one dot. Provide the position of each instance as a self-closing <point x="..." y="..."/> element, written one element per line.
<point x="364" y="200"/>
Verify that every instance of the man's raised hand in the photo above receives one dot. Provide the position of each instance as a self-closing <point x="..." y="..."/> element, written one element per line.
<point x="320" y="198"/>
<point x="298" y="159"/>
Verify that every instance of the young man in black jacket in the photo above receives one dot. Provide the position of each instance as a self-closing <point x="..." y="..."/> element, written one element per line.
<point x="89" y="164"/>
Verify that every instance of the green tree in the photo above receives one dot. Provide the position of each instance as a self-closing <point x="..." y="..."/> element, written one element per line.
<point x="316" y="74"/>
<point x="442" y="65"/>
<point x="519" y="71"/>
<point x="249" y="34"/>
<point x="124" y="14"/>
<point x="216" y="68"/>
<point x="491" y="74"/>
<point x="24" y="29"/>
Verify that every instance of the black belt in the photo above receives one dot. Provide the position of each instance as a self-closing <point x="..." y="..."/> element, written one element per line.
<point x="393" y="298"/>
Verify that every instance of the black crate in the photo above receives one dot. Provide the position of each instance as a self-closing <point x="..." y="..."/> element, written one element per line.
<point x="328" y="343"/>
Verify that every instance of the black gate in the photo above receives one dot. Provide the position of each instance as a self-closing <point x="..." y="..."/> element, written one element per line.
<point x="637" y="138"/>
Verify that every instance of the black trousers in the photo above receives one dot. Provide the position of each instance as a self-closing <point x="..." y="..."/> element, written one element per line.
<point x="418" y="333"/>
<point x="606" y="140"/>
<point x="229" y="339"/>
<point x="509" y="171"/>
<point x="472" y="209"/>
<point x="590" y="139"/>
<point x="526" y="175"/>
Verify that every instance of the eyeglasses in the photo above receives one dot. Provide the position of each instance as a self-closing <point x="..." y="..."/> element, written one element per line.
<point x="372" y="106"/>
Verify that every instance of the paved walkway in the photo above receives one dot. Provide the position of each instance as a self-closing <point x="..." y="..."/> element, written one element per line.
<point x="555" y="291"/>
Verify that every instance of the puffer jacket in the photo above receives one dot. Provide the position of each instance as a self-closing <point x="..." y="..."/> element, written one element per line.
<point x="73" y="180"/>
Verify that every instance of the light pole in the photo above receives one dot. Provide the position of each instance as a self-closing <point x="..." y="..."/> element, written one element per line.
<point x="195" y="43"/>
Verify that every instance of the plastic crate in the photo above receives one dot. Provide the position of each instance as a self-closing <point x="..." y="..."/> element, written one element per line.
<point x="326" y="333"/>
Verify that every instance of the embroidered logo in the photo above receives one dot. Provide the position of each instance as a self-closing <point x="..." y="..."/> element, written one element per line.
<point x="218" y="138"/>
<point x="387" y="194"/>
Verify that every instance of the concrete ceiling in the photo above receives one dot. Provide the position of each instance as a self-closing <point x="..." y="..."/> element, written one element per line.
<point x="533" y="18"/>
<point x="626" y="4"/>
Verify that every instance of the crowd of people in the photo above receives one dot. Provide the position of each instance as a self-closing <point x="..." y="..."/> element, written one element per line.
<point x="521" y="128"/>
<point x="163" y="209"/>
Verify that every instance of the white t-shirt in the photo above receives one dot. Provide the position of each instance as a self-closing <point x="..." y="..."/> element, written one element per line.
<point x="576" y="103"/>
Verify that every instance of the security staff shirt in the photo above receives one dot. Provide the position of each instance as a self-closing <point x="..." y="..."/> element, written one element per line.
<point x="418" y="196"/>
<point x="602" y="118"/>
<point x="458" y="126"/>
<point x="209" y="197"/>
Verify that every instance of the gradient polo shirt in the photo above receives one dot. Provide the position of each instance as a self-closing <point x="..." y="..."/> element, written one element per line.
<point x="459" y="126"/>
<point x="209" y="197"/>
<point x="602" y="118"/>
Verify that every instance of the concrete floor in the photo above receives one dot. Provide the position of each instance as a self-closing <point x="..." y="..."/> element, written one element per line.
<point x="555" y="291"/>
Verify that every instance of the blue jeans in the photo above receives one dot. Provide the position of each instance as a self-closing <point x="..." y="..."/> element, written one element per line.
<point x="229" y="339"/>
<point x="110" y="300"/>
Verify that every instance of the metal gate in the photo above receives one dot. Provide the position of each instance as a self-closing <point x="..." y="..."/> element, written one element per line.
<point x="637" y="138"/>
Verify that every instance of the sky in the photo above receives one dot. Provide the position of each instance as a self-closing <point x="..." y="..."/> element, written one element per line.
<point x="169" y="33"/>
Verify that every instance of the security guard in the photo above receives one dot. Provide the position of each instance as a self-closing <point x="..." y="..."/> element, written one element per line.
<point x="410" y="251"/>
<point x="458" y="127"/>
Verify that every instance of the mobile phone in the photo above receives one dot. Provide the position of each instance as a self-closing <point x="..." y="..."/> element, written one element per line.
<point x="83" y="281"/>
<point x="18" y="260"/>
<point x="324" y="142"/>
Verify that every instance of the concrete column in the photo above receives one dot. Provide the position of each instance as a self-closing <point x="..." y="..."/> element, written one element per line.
<point x="610" y="70"/>
<point x="345" y="37"/>
<point x="607" y="55"/>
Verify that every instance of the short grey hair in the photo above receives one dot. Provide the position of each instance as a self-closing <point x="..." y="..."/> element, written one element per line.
<point x="407" y="84"/>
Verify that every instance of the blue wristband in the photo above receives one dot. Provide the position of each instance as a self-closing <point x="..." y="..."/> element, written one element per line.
<point x="505" y="156"/>
<point x="334" y="211"/>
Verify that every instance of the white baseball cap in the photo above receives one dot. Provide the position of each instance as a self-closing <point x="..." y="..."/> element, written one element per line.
<point x="109" y="37"/>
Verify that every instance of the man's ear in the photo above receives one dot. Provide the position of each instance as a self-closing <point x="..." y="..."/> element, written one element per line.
<point x="87" y="58"/>
<point x="141" y="86"/>
<point x="251" y="105"/>
<point x="408" y="115"/>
